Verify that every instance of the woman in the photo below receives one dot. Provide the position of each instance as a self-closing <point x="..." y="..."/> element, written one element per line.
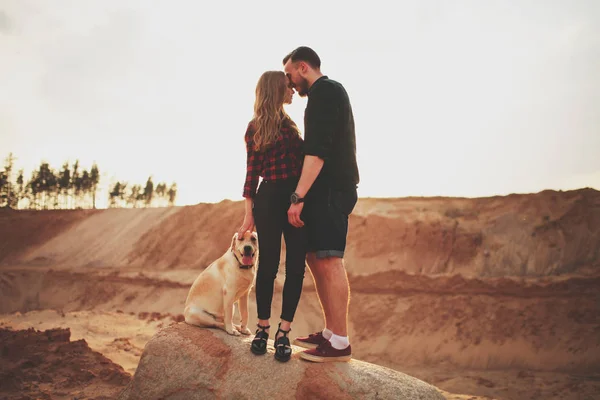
<point x="274" y="152"/>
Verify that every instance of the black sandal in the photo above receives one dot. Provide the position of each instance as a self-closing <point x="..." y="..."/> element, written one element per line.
<point x="259" y="343"/>
<point x="283" y="350"/>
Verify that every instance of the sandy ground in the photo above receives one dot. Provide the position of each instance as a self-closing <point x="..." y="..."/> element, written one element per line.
<point x="121" y="338"/>
<point x="494" y="298"/>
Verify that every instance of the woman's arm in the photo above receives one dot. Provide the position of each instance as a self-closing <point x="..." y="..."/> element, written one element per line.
<point x="254" y="160"/>
<point x="248" y="224"/>
<point x="253" y="166"/>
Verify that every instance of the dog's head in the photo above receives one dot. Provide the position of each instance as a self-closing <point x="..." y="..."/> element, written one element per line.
<point x="245" y="248"/>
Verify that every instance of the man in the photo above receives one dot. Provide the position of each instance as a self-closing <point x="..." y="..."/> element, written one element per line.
<point x="329" y="181"/>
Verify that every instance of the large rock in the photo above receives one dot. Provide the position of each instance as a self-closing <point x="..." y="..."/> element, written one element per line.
<point x="186" y="362"/>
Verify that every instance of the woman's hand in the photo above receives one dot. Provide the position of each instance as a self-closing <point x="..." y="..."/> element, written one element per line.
<point x="247" y="225"/>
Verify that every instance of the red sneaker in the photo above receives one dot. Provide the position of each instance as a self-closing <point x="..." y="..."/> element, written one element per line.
<point x="326" y="353"/>
<point x="311" y="341"/>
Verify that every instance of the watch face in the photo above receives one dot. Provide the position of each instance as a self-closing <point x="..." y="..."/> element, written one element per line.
<point x="294" y="198"/>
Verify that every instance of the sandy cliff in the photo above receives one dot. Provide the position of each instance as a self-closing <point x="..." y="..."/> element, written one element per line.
<point x="547" y="233"/>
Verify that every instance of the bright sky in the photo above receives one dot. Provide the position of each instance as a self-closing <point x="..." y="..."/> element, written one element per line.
<point x="461" y="98"/>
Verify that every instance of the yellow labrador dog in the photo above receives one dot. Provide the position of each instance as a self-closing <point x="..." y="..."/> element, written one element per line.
<point x="210" y="301"/>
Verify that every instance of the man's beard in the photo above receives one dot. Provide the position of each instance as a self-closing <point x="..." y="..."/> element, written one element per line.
<point x="302" y="88"/>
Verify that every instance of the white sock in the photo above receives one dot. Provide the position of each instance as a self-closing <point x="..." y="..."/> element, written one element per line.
<point x="339" y="342"/>
<point x="327" y="333"/>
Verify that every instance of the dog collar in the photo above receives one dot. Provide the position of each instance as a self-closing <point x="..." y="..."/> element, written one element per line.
<point x="242" y="266"/>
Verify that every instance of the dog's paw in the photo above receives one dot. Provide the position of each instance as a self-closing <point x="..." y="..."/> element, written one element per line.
<point x="245" y="331"/>
<point x="233" y="331"/>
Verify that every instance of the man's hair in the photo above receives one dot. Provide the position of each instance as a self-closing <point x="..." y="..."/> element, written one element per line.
<point x="305" y="54"/>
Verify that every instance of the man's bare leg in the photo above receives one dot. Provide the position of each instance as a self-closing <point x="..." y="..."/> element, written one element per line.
<point x="333" y="291"/>
<point x="314" y="270"/>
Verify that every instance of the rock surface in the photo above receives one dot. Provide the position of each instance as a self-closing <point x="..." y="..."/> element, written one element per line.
<point x="186" y="362"/>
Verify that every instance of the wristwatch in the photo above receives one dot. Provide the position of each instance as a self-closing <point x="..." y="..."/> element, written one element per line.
<point x="295" y="198"/>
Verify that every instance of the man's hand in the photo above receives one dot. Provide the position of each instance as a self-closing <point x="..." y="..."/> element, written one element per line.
<point x="294" y="215"/>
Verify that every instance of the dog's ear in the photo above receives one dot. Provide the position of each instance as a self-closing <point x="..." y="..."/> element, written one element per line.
<point x="233" y="240"/>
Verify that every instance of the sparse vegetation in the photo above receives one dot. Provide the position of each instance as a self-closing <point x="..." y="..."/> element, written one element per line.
<point x="453" y="213"/>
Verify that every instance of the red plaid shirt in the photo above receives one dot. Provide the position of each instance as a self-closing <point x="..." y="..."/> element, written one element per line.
<point x="280" y="161"/>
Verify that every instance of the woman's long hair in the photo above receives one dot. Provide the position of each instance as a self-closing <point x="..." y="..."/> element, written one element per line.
<point x="269" y="115"/>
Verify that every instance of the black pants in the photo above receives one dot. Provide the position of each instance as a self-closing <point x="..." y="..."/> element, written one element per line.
<point x="270" y="216"/>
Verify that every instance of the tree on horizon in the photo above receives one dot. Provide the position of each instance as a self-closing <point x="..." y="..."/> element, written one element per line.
<point x="7" y="193"/>
<point x="94" y="180"/>
<point x="148" y="192"/>
<point x="64" y="184"/>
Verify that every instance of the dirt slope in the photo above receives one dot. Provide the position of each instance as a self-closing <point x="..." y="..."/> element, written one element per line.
<point x="104" y="238"/>
<point x="47" y="365"/>
<point x="24" y="230"/>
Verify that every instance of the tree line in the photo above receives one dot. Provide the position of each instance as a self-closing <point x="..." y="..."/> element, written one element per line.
<point x="72" y="186"/>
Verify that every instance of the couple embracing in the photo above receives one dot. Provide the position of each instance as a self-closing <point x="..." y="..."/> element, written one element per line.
<point x="307" y="192"/>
